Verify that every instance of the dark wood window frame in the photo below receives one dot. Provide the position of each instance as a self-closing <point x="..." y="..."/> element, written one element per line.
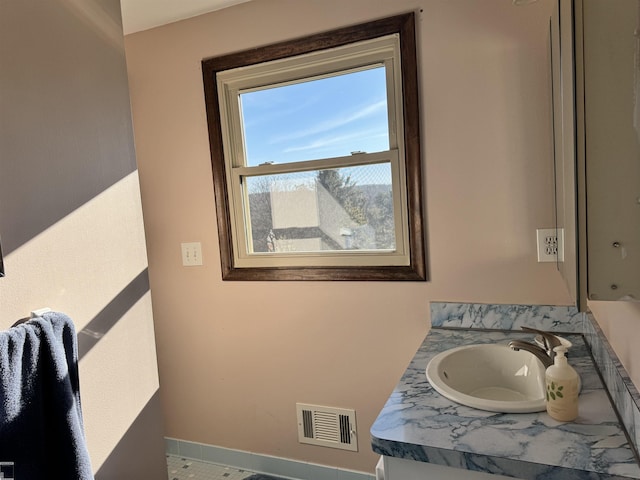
<point x="404" y="26"/>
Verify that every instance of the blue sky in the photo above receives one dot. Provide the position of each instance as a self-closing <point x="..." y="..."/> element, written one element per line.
<point x="324" y="118"/>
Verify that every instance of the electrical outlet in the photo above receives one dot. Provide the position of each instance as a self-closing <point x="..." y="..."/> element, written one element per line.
<point x="550" y="244"/>
<point x="191" y="254"/>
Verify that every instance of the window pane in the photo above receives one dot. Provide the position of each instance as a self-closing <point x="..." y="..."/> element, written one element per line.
<point x="322" y="210"/>
<point x="324" y="118"/>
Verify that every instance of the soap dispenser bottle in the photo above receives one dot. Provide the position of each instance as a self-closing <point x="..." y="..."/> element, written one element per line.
<point x="562" y="388"/>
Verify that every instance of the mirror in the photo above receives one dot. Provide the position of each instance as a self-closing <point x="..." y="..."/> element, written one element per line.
<point x="561" y="54"/>
<point x="608" y="149"/>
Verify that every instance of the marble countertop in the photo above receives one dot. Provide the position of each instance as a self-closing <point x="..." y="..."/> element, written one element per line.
<point x="418" y="423"/>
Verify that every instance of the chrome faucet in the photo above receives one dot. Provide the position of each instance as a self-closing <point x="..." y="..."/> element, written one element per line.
<point x="546" y="354"/>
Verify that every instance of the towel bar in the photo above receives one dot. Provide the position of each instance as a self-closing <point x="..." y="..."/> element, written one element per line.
<point x="33" y="314"/>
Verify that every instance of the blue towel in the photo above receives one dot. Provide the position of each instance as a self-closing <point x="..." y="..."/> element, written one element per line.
<point x="41" y="429"/>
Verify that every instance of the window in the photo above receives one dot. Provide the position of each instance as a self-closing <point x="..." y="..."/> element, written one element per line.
<point x="316" y="156"/>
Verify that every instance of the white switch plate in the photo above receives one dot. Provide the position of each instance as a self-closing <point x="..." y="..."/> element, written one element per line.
<point x="191" y="254"/>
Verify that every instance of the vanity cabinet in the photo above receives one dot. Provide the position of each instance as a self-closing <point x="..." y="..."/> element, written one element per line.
<point x="424" y="436"/>
<point x="403" y="469"/>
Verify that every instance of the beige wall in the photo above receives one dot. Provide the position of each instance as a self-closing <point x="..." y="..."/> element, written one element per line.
<point x="235" y="357"/>
<point x="71" y="217"/>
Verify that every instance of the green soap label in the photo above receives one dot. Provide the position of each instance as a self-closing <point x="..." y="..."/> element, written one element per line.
<point x="554" y="391"/>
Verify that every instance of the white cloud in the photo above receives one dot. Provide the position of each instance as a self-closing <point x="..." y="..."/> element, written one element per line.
<point x="333" y="123"/>
<point x="334" y="140"/>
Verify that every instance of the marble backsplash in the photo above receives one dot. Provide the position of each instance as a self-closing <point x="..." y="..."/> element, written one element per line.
<point x="567" y="319"/>
<point x="623" y="392"/>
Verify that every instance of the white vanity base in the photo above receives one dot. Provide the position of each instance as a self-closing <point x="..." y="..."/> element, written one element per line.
<point x="402" y="469"/>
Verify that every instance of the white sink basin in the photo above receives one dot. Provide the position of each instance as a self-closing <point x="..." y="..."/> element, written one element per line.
<point x="489" y="377"/>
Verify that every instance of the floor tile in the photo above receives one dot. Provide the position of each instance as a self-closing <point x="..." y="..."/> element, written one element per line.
<point x="181" y="468"/>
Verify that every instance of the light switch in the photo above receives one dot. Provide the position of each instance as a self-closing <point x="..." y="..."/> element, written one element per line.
<point x="191" y="254"/>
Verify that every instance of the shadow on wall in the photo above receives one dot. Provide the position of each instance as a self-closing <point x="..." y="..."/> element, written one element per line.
<point x="98" y="327"/>
<point x="146" y="432"/>
<point x="65" y="121"/>
<point x="66" y="139"/>
<point x="123" y="462"/>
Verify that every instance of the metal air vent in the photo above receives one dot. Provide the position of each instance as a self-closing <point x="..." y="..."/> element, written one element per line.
<point x="327" y="426"/>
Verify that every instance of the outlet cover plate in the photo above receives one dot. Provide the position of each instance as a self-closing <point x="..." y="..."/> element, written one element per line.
<point x="550" y="243"/>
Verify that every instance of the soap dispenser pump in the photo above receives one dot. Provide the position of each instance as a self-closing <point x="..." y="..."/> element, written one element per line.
<point x="562" y="388"/>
